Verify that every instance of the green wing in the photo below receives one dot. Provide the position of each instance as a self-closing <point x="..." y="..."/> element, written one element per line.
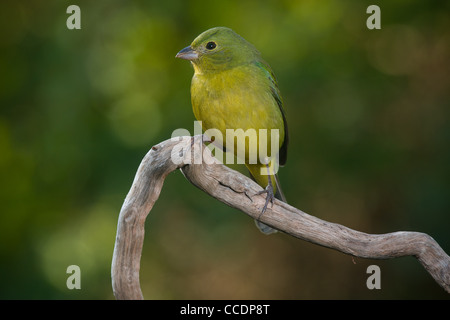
<point x="277" y="97"/>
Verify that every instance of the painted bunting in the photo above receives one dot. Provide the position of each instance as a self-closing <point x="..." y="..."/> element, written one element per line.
<point x="234" y="88"/>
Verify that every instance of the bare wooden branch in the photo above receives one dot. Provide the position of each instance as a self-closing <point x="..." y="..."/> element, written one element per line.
<point x="240" y="192"/>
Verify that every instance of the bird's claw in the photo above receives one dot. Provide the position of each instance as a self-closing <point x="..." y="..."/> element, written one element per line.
<point x="269" y="198"/>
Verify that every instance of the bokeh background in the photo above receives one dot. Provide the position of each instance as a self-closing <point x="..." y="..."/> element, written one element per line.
<point x="368" y="114"/>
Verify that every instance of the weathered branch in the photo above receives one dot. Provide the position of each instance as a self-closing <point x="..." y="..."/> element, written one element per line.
<point x="240" y="192"/>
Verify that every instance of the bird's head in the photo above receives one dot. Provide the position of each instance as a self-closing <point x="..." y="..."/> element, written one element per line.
<point x="218" y="49"/>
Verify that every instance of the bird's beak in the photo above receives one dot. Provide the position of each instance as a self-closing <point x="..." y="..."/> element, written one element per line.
<point x="187" y="54"/>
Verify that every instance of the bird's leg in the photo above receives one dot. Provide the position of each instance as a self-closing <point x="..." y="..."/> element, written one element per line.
<point x="270" y="195"/>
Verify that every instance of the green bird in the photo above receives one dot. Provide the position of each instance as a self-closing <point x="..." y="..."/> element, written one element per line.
<point x="234" y="88"/>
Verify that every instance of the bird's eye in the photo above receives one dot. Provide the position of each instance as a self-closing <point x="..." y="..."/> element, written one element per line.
<point x="211" y="45"/>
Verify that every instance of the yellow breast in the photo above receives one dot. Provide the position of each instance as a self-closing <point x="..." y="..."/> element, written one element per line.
<point x="239" y="98"/>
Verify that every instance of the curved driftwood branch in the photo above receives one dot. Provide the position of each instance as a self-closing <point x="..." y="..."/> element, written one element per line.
<point x="240" y="192"/>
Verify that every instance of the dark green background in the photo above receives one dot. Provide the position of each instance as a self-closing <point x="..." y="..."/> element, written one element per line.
<point x="368" y="114"/>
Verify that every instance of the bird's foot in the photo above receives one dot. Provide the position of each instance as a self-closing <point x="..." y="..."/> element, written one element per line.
<point x="269" y="198"/>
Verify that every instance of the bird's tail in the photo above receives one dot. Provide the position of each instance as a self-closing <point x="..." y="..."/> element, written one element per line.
<point x="280" y="196"/>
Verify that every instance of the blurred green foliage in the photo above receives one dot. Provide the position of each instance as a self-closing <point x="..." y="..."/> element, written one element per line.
<point x="368" y="114"/>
